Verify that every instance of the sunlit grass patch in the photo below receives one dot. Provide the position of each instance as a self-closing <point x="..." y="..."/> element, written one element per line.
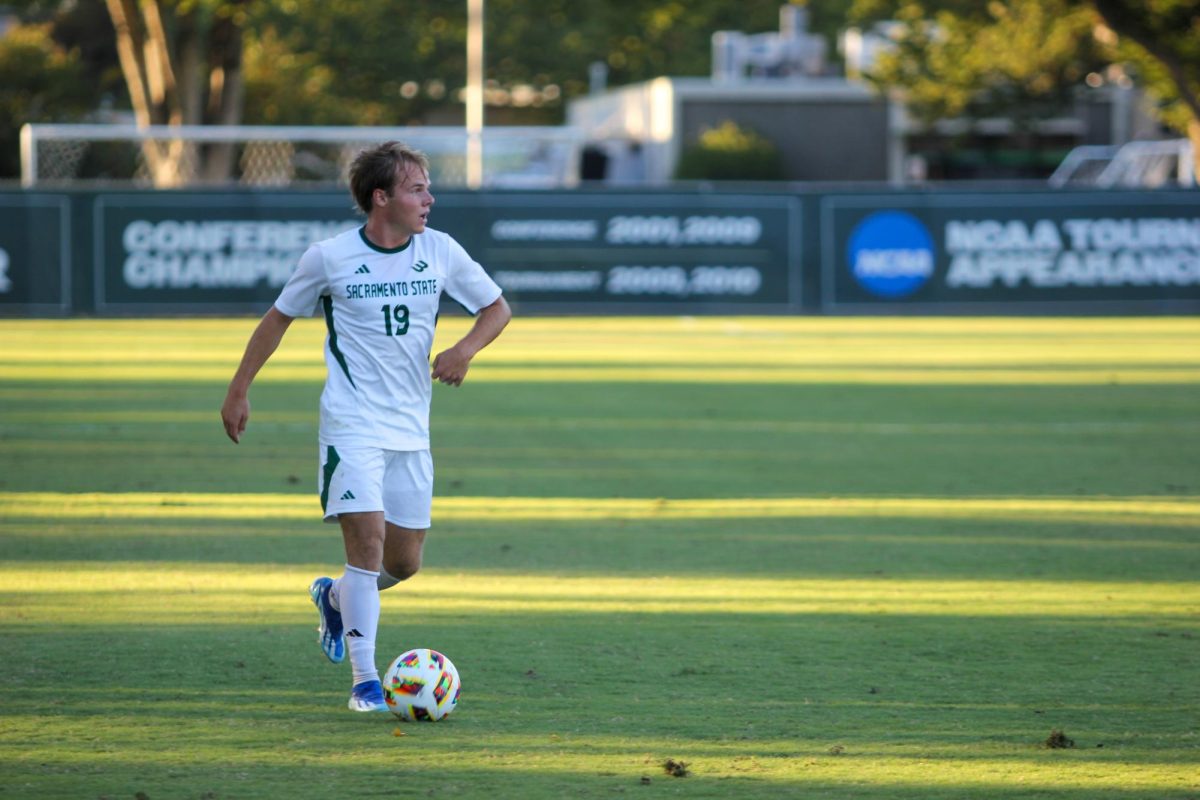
<point x="803" y="764"/>
<point x="165" y="594"/>
<point x="173" y="505"/>
<point x="869" y="374"/>
<point x="705" y="350"/>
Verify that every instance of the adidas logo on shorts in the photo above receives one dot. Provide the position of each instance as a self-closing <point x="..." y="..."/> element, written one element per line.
<point x="349" y="495"/>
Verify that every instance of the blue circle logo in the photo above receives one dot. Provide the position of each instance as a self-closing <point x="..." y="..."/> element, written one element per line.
<point x="891" y="254"/>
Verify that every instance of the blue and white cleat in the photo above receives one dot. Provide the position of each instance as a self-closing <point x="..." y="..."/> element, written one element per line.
<point x="368" y="696"/>
<point x="329" y="632"/>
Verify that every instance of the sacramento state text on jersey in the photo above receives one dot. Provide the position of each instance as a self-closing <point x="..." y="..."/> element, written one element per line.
<point x="359" y="291"/>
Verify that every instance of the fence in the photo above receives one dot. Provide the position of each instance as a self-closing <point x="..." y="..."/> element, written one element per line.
<point x="601" y="252"/>
<point x="277" y="156"/>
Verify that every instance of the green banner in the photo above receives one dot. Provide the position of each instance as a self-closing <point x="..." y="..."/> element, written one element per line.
<point x="213" y="251"/>
<point x="609" y="252"/>
<point x="35" y="254"/>
<point x="205" y="251"/>
<point x="1050" y="248"/>
<point x="669" y="251"/>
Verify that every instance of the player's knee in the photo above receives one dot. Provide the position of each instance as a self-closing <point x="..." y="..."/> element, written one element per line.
<point x="395" y="571"/>
<point x="407" y="569"/>
<point x="401" y="555"/>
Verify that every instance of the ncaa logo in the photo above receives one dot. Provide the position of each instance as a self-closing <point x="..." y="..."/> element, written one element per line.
<point x="891" y="254"/>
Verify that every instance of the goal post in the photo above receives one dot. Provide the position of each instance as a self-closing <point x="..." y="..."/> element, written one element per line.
<point x="164" y="156"/>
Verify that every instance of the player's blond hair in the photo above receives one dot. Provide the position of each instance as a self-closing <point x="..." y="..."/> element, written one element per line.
<point x="379" y="168"/>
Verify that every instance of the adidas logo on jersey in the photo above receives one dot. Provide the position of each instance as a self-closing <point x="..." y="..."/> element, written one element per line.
<point x="349" y="495"/>
<point x="420" y="266"/>
<point x="362" y="270"/>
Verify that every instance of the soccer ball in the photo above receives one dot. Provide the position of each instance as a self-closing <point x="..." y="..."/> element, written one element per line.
<point x="421" y="685"/>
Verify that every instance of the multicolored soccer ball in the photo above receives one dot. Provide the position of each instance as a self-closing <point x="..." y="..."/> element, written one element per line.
<point x="421" y="685"/>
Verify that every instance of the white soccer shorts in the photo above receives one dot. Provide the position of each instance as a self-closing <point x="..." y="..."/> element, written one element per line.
<point x="397" y="482"/>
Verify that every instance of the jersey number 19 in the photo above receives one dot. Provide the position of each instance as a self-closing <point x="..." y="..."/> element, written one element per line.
<point x="395" y="320"/>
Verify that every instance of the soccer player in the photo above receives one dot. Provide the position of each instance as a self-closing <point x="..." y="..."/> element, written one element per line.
<point x="378" y="288"/>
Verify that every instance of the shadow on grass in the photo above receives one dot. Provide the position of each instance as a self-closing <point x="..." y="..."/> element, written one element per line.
<point x="796" y="548"/>
<point x="636" y="440"/>
<point x="686" y="676"/>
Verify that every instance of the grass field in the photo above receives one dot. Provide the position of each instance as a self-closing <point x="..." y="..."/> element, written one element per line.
<point x="811" y="558"/>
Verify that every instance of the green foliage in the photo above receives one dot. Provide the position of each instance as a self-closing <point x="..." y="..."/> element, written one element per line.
<point x="730" y="152"/>
<point x="1020" y="58"/>
<point x="312" y="62"/>
<point x="287" y="87"/>
<point x="369" y="56"/>
<point x="1160" y="39"/>
<point x="1023" y="58"/>
<point x="39" y="82"/>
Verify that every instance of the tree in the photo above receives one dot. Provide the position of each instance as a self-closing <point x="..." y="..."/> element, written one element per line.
<point x="363" y="63"/>
<point x="408" y="68"/>
<point x="40" y="81"/>
<point x="1022" y="58"/>
<point x="349" y="62"/>
<point x="1162" y="37"/>
<point x="182" y="62"/>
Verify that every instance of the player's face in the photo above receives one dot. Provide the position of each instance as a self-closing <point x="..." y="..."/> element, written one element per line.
<point x="407" y="207"/>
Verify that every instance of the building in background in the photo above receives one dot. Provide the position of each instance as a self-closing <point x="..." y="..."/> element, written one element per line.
<point x="831" y="127"/>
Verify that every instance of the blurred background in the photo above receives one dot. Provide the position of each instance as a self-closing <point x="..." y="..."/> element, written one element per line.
<point x="660" y="108"/>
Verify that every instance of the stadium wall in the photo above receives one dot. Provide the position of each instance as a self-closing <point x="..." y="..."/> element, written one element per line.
<point x="695" y="251"/>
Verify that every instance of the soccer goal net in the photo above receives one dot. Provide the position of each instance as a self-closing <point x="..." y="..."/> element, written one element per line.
<point x="270" y="156"/>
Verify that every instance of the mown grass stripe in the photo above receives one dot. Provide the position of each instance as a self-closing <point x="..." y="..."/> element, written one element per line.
<point x="291" y="506"/>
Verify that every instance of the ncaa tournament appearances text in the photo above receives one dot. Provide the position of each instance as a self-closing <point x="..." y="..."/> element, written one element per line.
<point x="1074" y="252"/>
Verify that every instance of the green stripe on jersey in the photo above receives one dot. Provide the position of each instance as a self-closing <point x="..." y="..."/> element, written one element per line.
<point x="332" y="459"/>
<point x="327" y="301"/>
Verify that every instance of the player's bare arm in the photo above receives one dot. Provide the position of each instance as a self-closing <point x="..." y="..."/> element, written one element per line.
<point x="235" y="411"/>
<point x="450" y="366"/>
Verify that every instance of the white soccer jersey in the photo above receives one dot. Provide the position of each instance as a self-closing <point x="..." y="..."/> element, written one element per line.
<point x="380" y="309"/>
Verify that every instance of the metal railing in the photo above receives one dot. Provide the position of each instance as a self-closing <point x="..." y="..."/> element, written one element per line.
<point x="1140" y="165"/>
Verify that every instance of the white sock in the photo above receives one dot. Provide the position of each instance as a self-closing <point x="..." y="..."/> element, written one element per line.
<point x="358" y="596"/>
